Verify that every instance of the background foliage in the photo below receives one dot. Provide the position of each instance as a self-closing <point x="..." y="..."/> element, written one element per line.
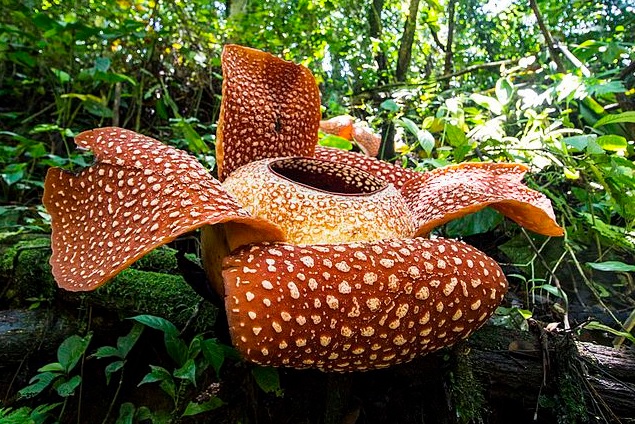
<point x="543" y="82"/>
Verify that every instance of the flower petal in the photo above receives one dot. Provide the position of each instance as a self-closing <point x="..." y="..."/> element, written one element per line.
<point x="444" y="194"/>
<point x="270" y="108"/>
<point x="356" y="306"/>
<point x="387" y="171"/>
<point x="140" y="194"/>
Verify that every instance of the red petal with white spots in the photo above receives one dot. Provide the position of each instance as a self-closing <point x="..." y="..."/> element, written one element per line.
<point x="386" y="171"/>
<point x="356" y="306"/>
<point x="270" y="108"/>
<point x="444" y="194"/>
<point x="140" y="194"/>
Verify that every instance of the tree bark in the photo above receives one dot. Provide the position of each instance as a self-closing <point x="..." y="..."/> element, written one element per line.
<point x="375" y="30"/>
<point x="449" y="53"/>
<point x="551" y="45"/>
<point x="407" y="38"/>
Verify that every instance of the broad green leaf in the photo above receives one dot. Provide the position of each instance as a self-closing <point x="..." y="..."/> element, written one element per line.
<point x="53" y="367"/>
<point x="67" y="388"/>
<point x="106" y="352"/>
<point x="504" y="91"/>
<point x="177" y="349"/>
<point x="126" y="414"/>
<point x="97" y="108"/>
<point x="616" y="118"/>
<point x="156" y="373"/>
<point x="335" y="141"/>
<point x="102" y="64"/>
<point x="475" y="223"/>
<point x="13" y="173"/>
<point x="113" y="368"/>
<point x="187" y="372"/>
<point x="157" y="323"/>
<point x="594" y="325"/>
<point x="267" y="379"/>
<point x="125" y="343"/>
<point x="579" y="142"/>
<point x="612" y="142"/>
<point x="456" y="137"/>
<point x="214" y="353"/>
<point x="408" y="125"/>
<point x="37" y="384"/>
<point x="194" y="408"/>
<point x="614" y="266"/>
<point x="389" y="105"/>
<point x="71" y="351"/>
<point x="62" y="76"/>
<point x="488" y="103"/>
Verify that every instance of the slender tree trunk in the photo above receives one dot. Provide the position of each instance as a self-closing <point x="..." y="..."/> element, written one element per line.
<point x="449" y="53"/>
<point x="551" y="45"/>
<point x="405" y="47"/>
<point x="374" y="21"/>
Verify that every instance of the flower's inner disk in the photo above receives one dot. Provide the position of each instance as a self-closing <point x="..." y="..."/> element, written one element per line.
<point x="326" y="176"/>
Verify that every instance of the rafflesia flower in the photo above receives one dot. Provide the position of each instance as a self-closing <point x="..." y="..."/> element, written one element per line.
<point x="322" y="255"/>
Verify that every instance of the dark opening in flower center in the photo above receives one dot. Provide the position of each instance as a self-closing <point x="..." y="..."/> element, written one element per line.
<point x="327" y="176"/>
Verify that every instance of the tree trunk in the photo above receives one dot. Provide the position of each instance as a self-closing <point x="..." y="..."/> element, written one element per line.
<point x="449" y="54"/>
<point x="551" y="45"/>
<point x="375" y="29"/>
<point x="407" y="38"/>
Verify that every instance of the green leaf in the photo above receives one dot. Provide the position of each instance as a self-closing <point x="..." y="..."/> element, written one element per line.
<point x="613" y="266"/>
<point x="488" y="103"/>
<point x="113" y="368"/>
<point x="177" y="349"/>
<point x="456" y="137"/>
<point x="71" y="350"/>
<point x="126" y="343"/>
<point x="67" y="388"/>
<point x="187" y="372"/>
<point x="102" y="64"/>
<point x="335" y="141"/>
<point x="97" y="108"/>
<point x="156" y="373"/>
<point x="214" y="353"/>
<point x="13" y="173"/>
<point x="504" y="91"/>
<point x="126" y="414"/>
<point x="267" y="379"/>
<point x="62" y="76"/>
<point x="553" y="290"/>
<point x="37" y="384"/>
<point x="479" y="222"/>
<point x="617" y="118"/>
<point x="612" y="142"/>
<point x="389" y="105"/>
<point x="194" y="408"/>
<point x="579" y="142"/>
<point x="53" y="367"/>
<point x="594" y="325"/>
<point x="157" y="323"/>
<point x="106" y="352"/>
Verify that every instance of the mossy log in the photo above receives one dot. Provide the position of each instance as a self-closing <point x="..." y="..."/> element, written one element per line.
<point x="498" y="375"/>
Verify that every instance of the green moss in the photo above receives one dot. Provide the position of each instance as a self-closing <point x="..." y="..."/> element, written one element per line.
<point x="162" y="259"/>
<point x="142" y="292"/>
<point x="25" y="270"/>
<point x="465" y="390"/>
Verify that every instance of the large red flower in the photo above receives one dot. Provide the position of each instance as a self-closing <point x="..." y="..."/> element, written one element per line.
<point x="322" y="255"/>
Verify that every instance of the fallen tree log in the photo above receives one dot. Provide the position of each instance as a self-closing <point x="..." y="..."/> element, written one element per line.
<point x="499" y="375"/>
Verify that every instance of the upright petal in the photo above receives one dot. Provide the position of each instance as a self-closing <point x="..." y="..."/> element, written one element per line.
<point x="356" y="306"/>
<point x="139" y="194"/>
<point x="270" y="108"/>
<point x="444" y="194"/>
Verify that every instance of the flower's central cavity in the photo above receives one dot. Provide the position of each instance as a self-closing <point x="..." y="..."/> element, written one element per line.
<point x="327" y="176"/>
<point x="316" y="201"/>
